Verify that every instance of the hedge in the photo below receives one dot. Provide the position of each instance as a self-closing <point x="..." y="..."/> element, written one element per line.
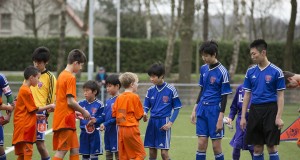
<point x="136" y="54"/>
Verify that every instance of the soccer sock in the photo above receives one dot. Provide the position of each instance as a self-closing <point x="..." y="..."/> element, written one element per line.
<point x="56" y="158"/>
<point x="219" y="156"/>
<point x="200" y="155"/>
<point x="258" y="156"/>
<point x="94" y="157"/>
<point x="74" y="157"/>
<point x="85" y="157"/>
<point x="48" y="158"/>
<point x="236" y="153"/>
<point x="3" y="157"/>
<point x="274" y="156"/>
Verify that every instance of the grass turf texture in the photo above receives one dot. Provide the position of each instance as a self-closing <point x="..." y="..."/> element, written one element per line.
<point x="184" y="141"/>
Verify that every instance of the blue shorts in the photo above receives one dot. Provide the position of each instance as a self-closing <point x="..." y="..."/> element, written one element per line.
<point x="156" y="137"/>
<point x="90" y="143"/>
<point x="1" y="136"/>
<point x="42" y="126"/>
<point x="111" y="138"/>
<point x="207" y="118"/>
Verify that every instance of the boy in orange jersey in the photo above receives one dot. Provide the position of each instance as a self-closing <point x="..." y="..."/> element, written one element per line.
<point x="292" y="80"/>
<point x="64" y="125"/>
<point x="128" y="110"/>
<point x="24" y="134"/>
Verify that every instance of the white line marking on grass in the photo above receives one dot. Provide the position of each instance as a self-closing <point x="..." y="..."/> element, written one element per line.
<point x="10" y="149"/>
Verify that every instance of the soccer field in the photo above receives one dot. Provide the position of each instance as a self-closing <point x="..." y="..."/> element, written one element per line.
<point x="184" y="141"/>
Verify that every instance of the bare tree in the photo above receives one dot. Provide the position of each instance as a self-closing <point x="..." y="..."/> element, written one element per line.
<point x="62" y="45"/>
<point x="205" y="20"/>
<point x="171" y="32"/>
<point x="30" y="12"/>
<point x="148" y="18"/>
<point x="252" y="21"/>
<point x="236" y="40"/>
<point x="186" y="47"/>
<point x="288" y="58"/>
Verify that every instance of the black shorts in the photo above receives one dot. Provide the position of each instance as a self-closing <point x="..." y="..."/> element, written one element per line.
<point x="261" y="127"/>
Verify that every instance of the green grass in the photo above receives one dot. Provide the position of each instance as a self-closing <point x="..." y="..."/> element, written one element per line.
<point x="184" y="141"/>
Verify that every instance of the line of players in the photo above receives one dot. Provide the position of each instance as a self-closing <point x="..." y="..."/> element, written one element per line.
<point x="121" y="114"/>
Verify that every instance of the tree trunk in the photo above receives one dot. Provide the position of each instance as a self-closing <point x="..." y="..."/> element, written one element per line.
<point x="172" y="36"/>
<point x="148" y="18"/>
<point x="288" y="57"/>
<point x="205" y="20"/>
<point x="186" y="48"/>
<point x="62" y="45"/>
<point x="34" y="26"/>
<point x="253" y="24"/>
<point x="236" y="39"/>
<point x="223" y="17"/>
<point x="83" y="44"/>
<point x="243" y="20"/>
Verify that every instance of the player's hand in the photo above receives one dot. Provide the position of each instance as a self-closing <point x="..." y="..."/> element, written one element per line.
<point x="40" y="116"/>
<point x="219" y="125"/>
<point x="9" y="107"/>
<point x="279" y="123"/>
<point x="229" y="120"/>
<point x="166" y="126"/>
<point x="102" y="127"/>
<point x="193" y="117"/>
<point x="5" y="120"/>
<point x="243" y="124"/>
<point x="145" y="117"/>
<point x="92" y="121"/>
<point x="86" y="115"/>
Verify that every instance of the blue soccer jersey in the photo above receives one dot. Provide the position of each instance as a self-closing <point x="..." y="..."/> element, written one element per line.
<point x="4" y="87"/>
<point x="95" y="109"/>
<point x="111" y="129"/>
<point x="214" y="83"/>
<point x="264" y="83"/>
<point x="90" y="143"/>
<point x="161" y="100"/>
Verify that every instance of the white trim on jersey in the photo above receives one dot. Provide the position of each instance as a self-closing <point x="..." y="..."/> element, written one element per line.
<point x="224" y="74"/>
<point x="278" y="69"/>
<point x="173" y="89"/>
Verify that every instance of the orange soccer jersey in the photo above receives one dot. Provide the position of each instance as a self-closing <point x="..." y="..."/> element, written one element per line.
<point x="24" y="117"/>
<point x="64" y="116"/>
<point x="128" y="110"/>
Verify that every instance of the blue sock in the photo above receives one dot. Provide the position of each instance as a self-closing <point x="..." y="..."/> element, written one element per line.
<point x="200" y="155"/>
<point x="219" y="156"/>
<point x="258" y="156"/>
<point x="236" y="153"/>
<point x="3" y="157"/>
<point x="274" y="156"/>
<point x="48" y="158"/>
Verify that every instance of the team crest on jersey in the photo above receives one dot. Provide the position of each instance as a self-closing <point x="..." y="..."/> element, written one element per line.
<point x="212" y="79"/>
<point x="40" y="84"/>
<point x="165" y="99"/>
<point x="268" y="78"/>
<point x="94" y="110"/>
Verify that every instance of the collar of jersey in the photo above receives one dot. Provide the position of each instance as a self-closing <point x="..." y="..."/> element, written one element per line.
<point x="92" y="101"/>
<point x="214" y="67"/>
<point x="265" y="67"/>
<point x="45" y="71"/>
<point x="161" y="88"/>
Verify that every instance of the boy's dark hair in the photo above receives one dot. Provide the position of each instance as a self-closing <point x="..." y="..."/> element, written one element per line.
<point x="287" y="74"/>
<point x="30" y="71"/>
<point x="259" y="44"/>
<point x="157" y="69"/>
<point x="209" y="47"/>
<point x="113" y="80"/>
<point x="76" y="55"/>
<point x="93" y="85"/>
<point x="41" y="54"/>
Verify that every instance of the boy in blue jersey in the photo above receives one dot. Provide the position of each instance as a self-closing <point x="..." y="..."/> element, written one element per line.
<point x="4" y="88"/>
<point x="238" y="140"/>
<point x="161" y="99"/>
<point x="264" y="84"/>
<point x="210" y="106"/>
<point x="90" y="136"/>
<point x="113" y="86"/>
